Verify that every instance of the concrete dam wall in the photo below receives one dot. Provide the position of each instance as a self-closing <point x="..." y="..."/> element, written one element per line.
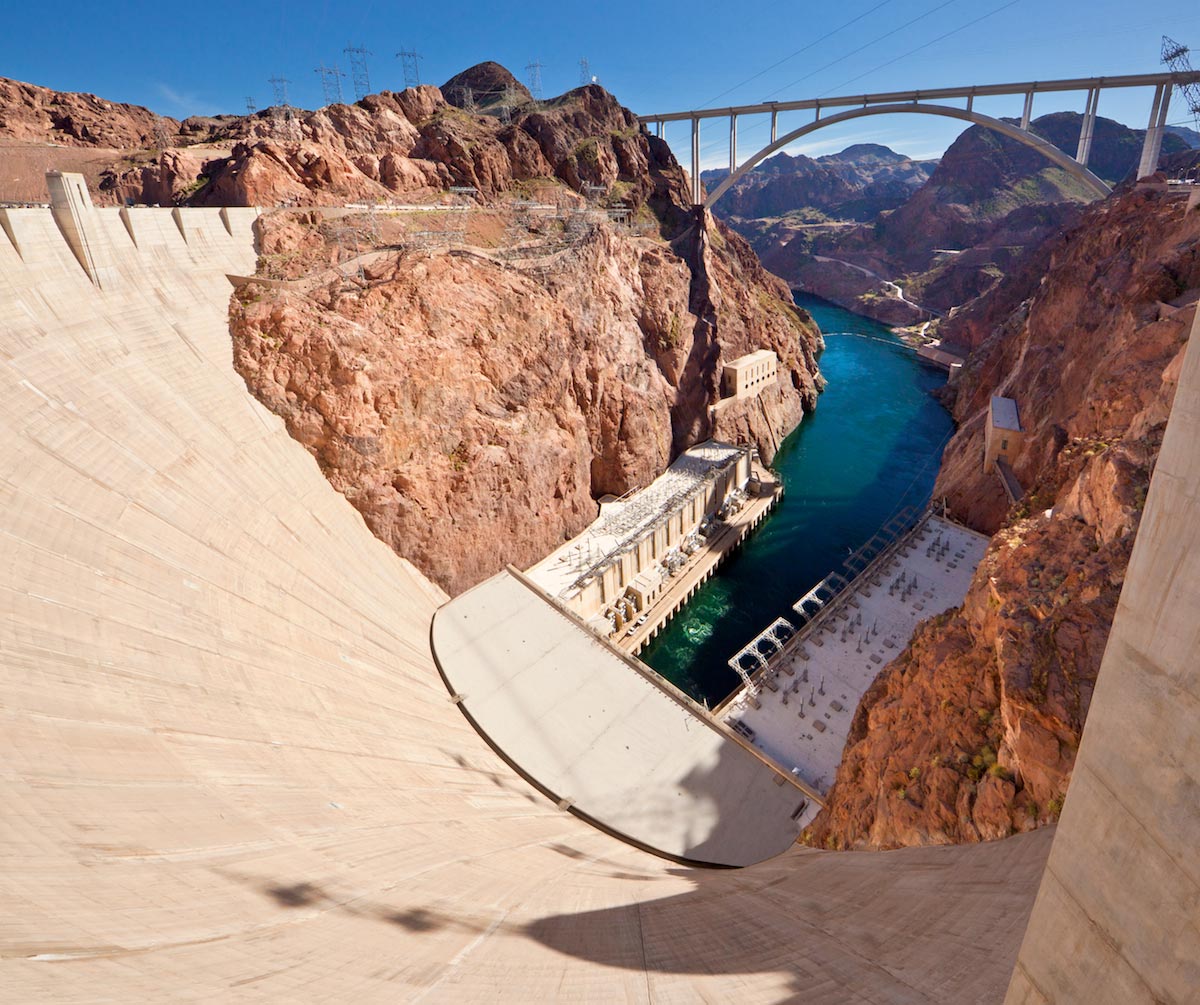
<point x="230" y="770"/>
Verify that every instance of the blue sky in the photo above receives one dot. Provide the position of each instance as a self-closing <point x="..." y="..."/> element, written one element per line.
<point x="662" y="56"/>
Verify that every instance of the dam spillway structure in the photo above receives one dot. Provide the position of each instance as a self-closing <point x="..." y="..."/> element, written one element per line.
<point x="231" y="771"/>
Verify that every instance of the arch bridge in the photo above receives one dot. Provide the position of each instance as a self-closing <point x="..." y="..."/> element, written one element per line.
<point x="831" y="111"/>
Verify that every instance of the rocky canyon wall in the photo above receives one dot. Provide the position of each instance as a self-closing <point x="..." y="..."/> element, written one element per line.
<point x="971" y="735"/>
<point x="474" y="401"/>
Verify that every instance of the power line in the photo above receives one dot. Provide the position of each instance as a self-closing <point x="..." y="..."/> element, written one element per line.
<point x="866" y="45"/>
<point x="913" y="52"/>
<point x="810" y="45"/>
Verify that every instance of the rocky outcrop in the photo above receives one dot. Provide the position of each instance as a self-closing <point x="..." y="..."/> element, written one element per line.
<point x="474" y="402"/>
<point x="33" y="114"/>
<point x="971" y="735"/>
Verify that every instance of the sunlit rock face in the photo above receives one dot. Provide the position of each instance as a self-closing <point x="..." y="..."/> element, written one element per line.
<point x="972" y="734"/>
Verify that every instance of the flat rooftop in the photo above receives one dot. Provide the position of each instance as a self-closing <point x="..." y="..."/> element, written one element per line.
<point x="839" y="654"/>
<point x="1004" y="414"/>
<point x="624" y="521"/>
<point x="759" y="355"/>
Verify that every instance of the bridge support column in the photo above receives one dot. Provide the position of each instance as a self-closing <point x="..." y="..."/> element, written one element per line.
<point x="774" y="126"/>
<point x="1028" y="113"/>
<point x="1152" y="145"/>
<point x="732" y="143"/>
<point x="658" y="128"/>
<point x="695" y="160"/>
<point x="1088" y="127"/>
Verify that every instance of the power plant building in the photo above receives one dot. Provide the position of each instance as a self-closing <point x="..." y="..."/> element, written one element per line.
<point x="749" y="374"/>
<point x="614" y="570"/>
<point x="1003" y="435"/>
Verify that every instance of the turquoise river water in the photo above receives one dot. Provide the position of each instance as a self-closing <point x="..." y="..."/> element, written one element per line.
<point x="871" y="447"/>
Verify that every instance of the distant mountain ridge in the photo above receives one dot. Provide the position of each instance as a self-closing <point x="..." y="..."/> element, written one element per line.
<point x="1189" y="136"/>
<point x="951" y="238"/>
<point x="856" y="184"/>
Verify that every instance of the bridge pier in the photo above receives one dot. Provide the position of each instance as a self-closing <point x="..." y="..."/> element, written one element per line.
<point x="732" y="143"/>
<point x="831" y="110"/>
<point x="1088" y="127"/>
<point x="1152" y="146"/>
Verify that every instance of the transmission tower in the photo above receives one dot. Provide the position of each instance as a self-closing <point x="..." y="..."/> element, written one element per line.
<point x="1175" y="55"/>
<point x="283" y="116"/>
<point x="534" y="71"/>
<point x="410" y="61"/>
<point x="358" y="70"/>
<point x="509" y="99"/>
<point x="279" y="86"/>
<point x="331" y="83"/>
<point x="585" y="72"/>
<point x="162" y="138"/>
<point x="251" y="105"/>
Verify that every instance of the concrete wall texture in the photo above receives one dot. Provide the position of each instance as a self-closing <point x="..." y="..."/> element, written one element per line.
<point x="230" y="772"/>
<point x="1118" y="913"/>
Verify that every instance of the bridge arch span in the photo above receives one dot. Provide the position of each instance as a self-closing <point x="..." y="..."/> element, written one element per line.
<point x="1048" y="150"/>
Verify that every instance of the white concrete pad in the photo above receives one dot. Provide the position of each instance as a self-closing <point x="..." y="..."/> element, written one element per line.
<point x="835" y="658"/>
<point x="578" y="719"/>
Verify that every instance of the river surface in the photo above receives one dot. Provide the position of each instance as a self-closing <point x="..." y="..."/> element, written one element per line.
<point x="872" y="446"/>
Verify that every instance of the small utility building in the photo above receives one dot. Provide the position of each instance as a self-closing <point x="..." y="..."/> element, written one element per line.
<point x="1003" y="436"/>
<point x="749" y="374"/>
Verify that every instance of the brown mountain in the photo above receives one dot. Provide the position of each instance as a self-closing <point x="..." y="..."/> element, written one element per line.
<point x="988" y="199"/>
<point x="471" y="395"/>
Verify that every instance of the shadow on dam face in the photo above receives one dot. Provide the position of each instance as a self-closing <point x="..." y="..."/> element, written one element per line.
<point x="839" y="941"/>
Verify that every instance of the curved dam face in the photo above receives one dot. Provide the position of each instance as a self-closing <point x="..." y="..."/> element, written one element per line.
<point x="230" y="769"/>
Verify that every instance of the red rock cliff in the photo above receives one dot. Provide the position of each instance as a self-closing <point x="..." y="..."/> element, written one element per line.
<point x="473" y="402"/>
<point x="971" y="735"/>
